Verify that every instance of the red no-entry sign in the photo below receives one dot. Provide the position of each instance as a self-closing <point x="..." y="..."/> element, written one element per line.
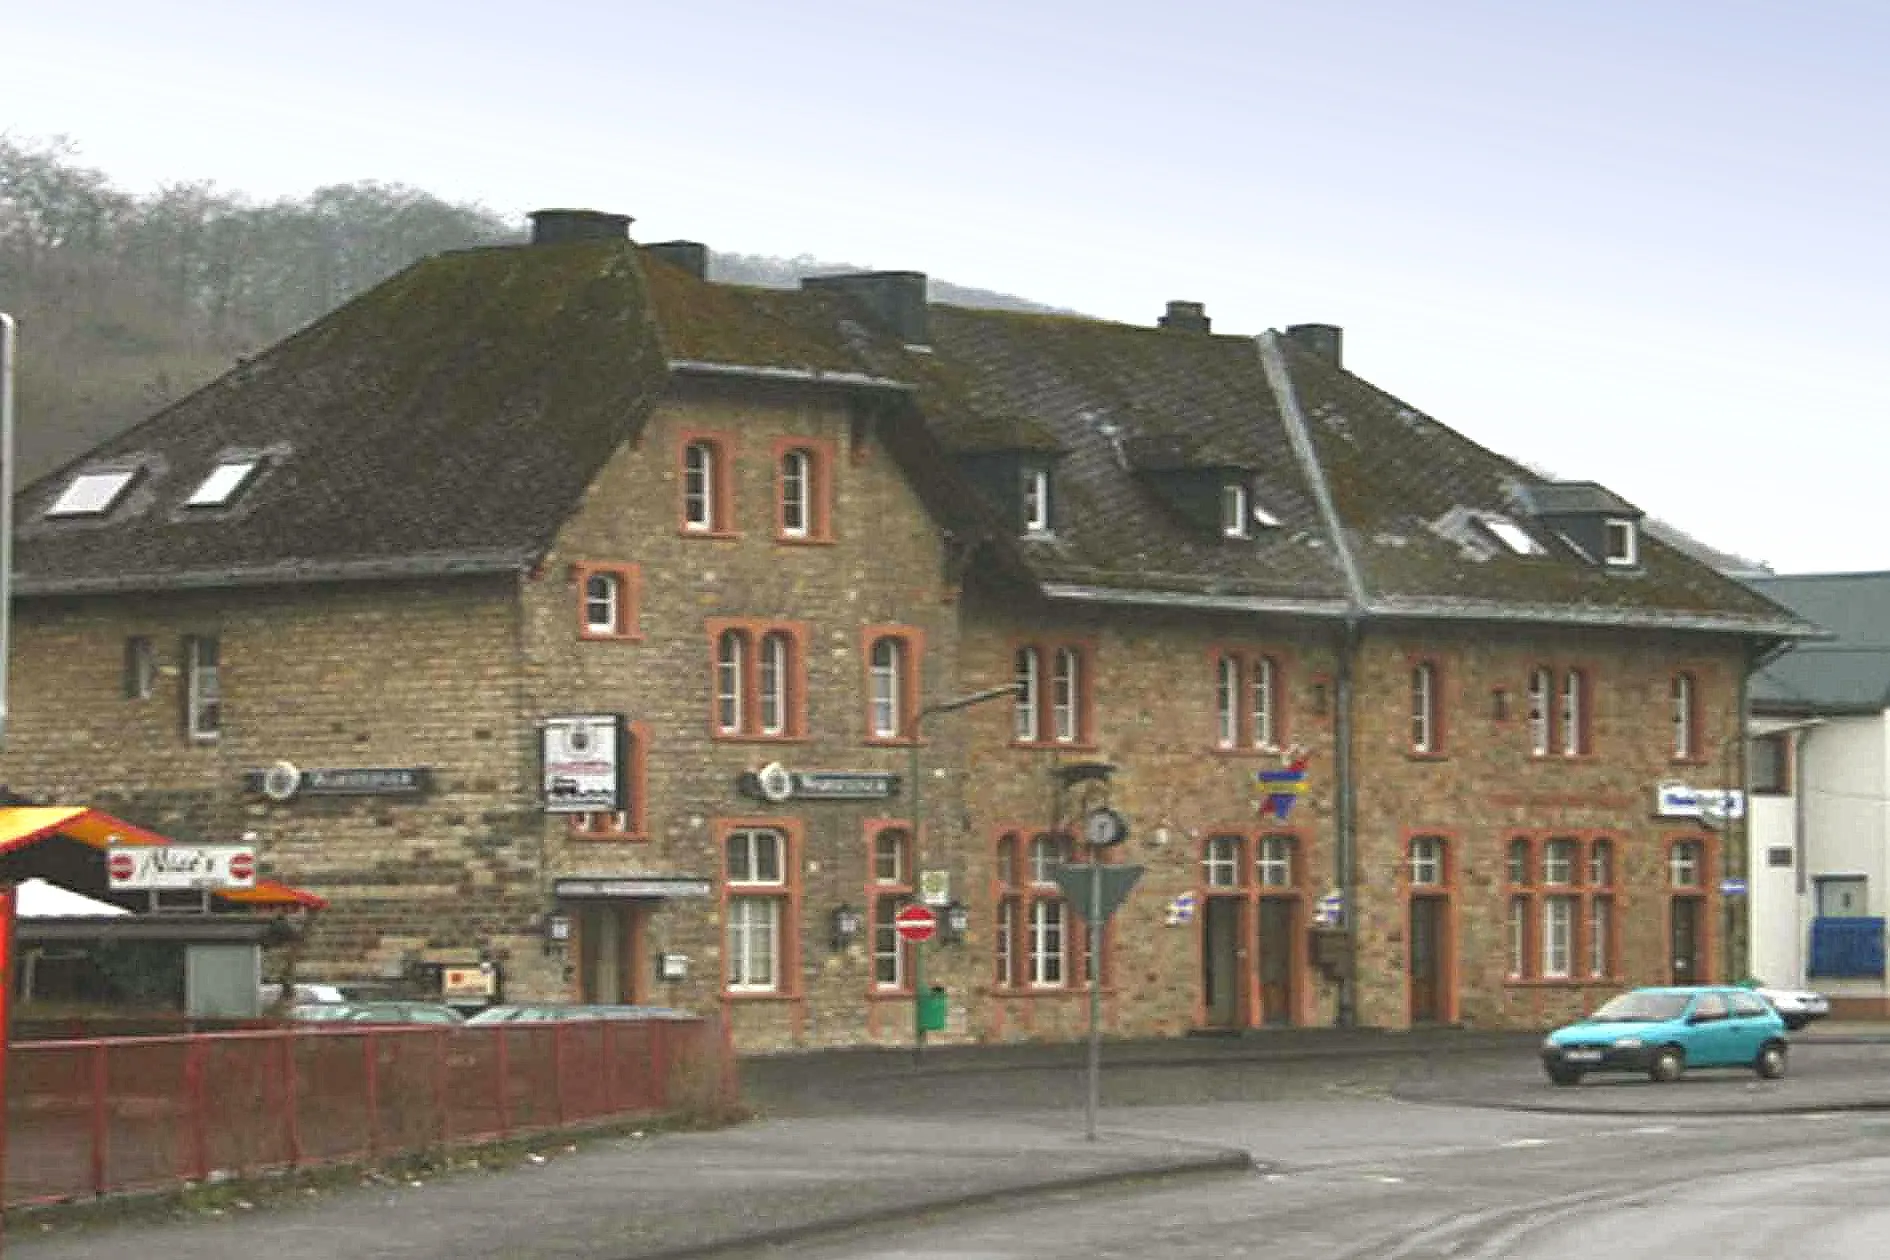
<point x="915" y="924"/>
<point x="121" y="865"/>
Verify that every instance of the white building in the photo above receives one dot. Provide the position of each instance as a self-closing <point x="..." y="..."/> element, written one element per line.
<point x="1819" y="775"/>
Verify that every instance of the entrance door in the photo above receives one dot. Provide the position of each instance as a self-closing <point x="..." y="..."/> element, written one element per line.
<point x="1686" y="940"/>
<point x="609" y="934"/>
<point x="1220" y="962"/>
<point x="1424" y="955"/>
<point x="1276" y="960"/>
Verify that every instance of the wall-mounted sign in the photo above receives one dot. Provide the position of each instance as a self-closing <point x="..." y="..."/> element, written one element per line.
<point x="776" y="783"/>
<point x="1678" y="800"/>
<point x="285" y="780"/>
<point x="1180" y="911"/>
<point x="468" y="983"/>
<point x="634" y="886"/>
<point x="935" y="887"/>
<point x="1283" y="786"/>
<point x="177" y="866"/>
<point x="582" y="758"/>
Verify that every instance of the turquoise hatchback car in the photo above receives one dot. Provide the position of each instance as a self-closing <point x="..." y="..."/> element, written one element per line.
<point x="1663" y="1032"/>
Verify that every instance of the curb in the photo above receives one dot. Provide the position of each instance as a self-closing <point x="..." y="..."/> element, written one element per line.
<point x="1485" y="1103"/>
<point x="1219" y="1162"/>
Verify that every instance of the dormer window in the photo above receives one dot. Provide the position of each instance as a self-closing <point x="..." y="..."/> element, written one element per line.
<point x="1623" y="543"/>
<point x="1036" y="500"/>
<point x="1510" y="534"/>
<point x="1235" y="509"/>
<point x="92" y="493"/>
<point x="229" y="476"/>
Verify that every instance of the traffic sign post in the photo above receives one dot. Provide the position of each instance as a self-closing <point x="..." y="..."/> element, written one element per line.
<point x="915" y="925"/>
<point x="1096" y="891"/>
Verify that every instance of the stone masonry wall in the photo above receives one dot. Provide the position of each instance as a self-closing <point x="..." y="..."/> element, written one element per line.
<point x="395" y="674"/>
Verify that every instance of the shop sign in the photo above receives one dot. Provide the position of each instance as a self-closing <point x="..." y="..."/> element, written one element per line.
<point x="634" y="886"/>
<point x="285" y="779"/>
<point x="582" y="758"/>
<point x="476" y="983"/>
<point x="160" y="867"/>
<point x="1678" y="800"/>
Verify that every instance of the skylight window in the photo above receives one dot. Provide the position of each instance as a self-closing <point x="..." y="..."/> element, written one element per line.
<point x="92" y="493"/>
<point x="1511" y="535"/>
<point x="1264" y="518"/>
<point x="221" y="485"/>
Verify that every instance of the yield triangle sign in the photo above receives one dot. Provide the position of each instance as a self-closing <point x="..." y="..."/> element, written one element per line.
<point x="1074" y="878"/>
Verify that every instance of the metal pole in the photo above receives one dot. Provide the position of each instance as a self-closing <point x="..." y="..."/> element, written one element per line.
<point x="1095" y="994"/>
<point x="8" y="338"/>
<point x="912" y="765"/>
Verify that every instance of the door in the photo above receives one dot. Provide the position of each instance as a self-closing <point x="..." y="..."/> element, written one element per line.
<point x="608" y="951"/>
<point x="1220" y="962"/>
<point x="1276" y="960"/>
<point x="1425" y="959"/>
<point x="1685" y="951"/>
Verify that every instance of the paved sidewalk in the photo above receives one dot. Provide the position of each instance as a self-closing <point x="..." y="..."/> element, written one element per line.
<point x="668" y="1196"/>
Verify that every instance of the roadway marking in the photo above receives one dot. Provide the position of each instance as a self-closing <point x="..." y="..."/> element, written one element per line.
<point x="1650" y="1129"/>
<point x="1519" y="1143"/>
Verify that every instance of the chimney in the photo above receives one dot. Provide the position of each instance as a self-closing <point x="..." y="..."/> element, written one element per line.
<point x="555" y="227"/>
<point x="1325" y="340"/>
<point x="1186" y="317"/>
<point x="896" y="300"/>
<point x="689" y="256"/>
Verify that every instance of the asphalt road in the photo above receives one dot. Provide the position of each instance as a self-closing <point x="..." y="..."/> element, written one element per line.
<point x="1365" y="1179"/>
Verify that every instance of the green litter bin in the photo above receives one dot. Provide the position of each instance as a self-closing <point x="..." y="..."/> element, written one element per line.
<point x="932" y="1009"/>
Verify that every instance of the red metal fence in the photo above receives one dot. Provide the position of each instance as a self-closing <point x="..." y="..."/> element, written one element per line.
<point x="90" y="1117"/>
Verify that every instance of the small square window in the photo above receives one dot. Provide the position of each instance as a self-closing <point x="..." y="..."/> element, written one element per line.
<point x="92" y="493"/>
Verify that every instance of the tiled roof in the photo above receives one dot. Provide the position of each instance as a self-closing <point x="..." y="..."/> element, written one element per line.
<point x="446" y="421"/>
<point x="449" y="420"/>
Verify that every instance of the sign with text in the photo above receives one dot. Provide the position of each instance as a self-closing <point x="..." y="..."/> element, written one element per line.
<point x="776" y="783"/>
<point x="1677" y="800"/>
<point x="583" y="763"/>
<point x="160" y="867"/>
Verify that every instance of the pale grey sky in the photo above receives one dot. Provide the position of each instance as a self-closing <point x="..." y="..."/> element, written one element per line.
<point x="1634" y="240"/>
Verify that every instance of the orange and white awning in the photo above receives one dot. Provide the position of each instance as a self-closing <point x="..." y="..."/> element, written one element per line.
<point x="25" y="825"/>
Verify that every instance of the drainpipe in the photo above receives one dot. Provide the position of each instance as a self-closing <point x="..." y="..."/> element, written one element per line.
<point x="1345" y="830"/>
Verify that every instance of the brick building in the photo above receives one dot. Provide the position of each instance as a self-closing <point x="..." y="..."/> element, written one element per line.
<point x="355" y="597"/>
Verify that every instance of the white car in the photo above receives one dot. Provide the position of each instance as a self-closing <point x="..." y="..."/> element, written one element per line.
<point x="1797" y="1007"/>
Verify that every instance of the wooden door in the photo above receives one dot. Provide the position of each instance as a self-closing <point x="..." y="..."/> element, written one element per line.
<point x="1424" y="955"/>
<point x="1221" y="980"/>
<point x="1276" y="960"/>
<point x="1685" y="951"/>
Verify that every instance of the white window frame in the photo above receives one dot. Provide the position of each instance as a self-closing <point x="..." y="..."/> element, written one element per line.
<point x="1601" y="863"/>
<point x="1235" y="510"/>
<point x="731" y="652"/>
<point x="1005" y="945"/>
<point x="1026" y="724"/>
<point x="1558" y="937"/>
<point x="1427" y="861"/>
<point x="699" y="459"/>
<point x="1518" y="931"/>
<point x="1541" y="702"/>
<point x="1260" y="697"/>
<point x="1036" y="500"/>
<point x="1049" y="943"/>
<point x="203" y="689"/>
<point x="886" y="665"/>
<point x="1424" y="707"/>
<point x="797" y="493"/>
<point x="223" y="482"/>
<point x="1274" y="865"/>
<point x="1220" y="862"/>
<point x="92" y="493"/>
<point x="1574" y="698"/>
<point x="1686" y="860"/>
<point x="603" y="612"/>
<point x="1066" y="695"/>
<point x="1044" y="852"/>
<point x="754" y="925"/>
<point x="141" y="668"/>
<point x="1683" y="733"/>
<point x="1227" y="702"/>
<point x="889" y="950"/>
<point x="890" y="861"/>
<point x="1516" y="867"/>
<point x="1600" y="937"/>
<point x="774" y="687"/>
<point x="1623" y="530"/>
<point x="1558" y="862"/>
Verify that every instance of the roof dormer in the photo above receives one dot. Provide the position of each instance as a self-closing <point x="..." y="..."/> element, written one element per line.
<point x="1208" y="491"/>
<point x="1601" y="526"/>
